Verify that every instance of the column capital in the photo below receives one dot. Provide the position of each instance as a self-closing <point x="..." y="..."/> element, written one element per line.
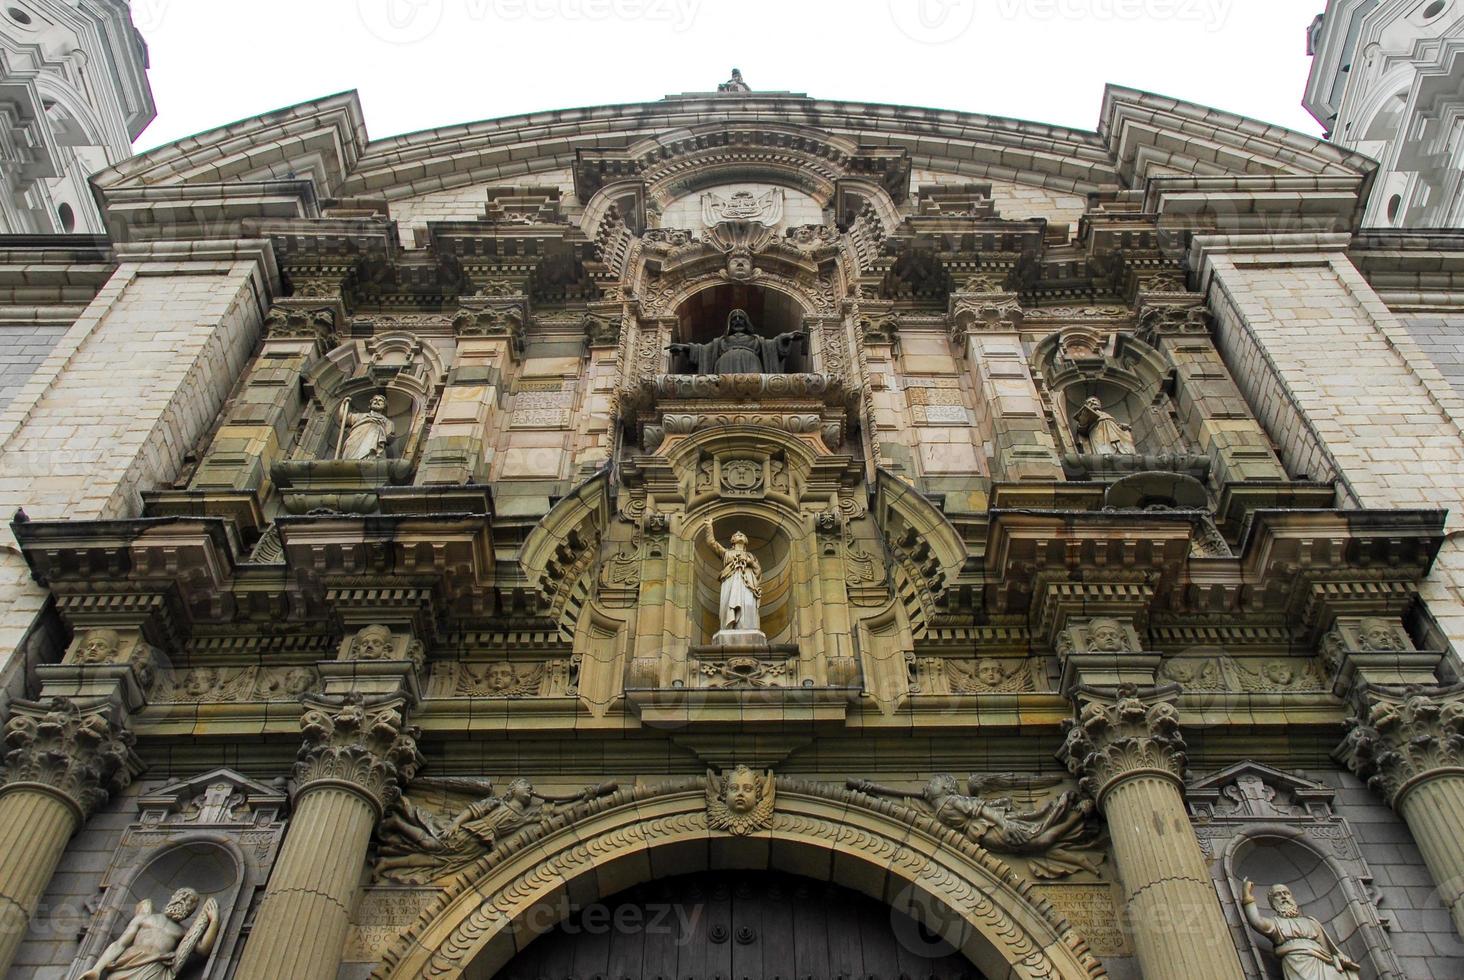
<point x="361" y="744"/>
<point x="1400" y="738"/>
<point x="1124" y="733"/>
<point x="73" y="750"/>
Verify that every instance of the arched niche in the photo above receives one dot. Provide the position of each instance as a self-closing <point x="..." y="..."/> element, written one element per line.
<point x="400" y="366"/>
<point x="1282" y="855"/>
<point x="210" y="864"/>
<point x="703" y="316"/>
<point x="769" y="540"/>
<point x="526" y="885"/>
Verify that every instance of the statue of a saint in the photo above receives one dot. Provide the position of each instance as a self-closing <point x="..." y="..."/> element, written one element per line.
<point x="741" y="583"/>
<point x="368" y="433"/>
<point x="735" y="84"/>
<point x="1105" y="435"/>
<point x="1048" y="834"/>
<point x="1300" y="942"/>
<point x="418" y="846"/>
<point x="740" y="350"/>
<point x="155" y="946"/>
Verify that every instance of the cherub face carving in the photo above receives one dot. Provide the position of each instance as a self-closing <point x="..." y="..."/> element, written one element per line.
<point x="1378" y="635"/>
<point x="742" y="791"/>
<point x="500" y="677"/>
<point x="989" y="672"/>
<point x="372" y="643"/>
<point x="98" y="646"/>
<point x="1106" y="636"/>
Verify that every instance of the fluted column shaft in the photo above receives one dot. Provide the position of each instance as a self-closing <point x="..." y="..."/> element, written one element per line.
<point x="1179" y="929"/>
<point x="1130" y="756"/>
<point x="356" y="755"/>
<point x="34" y="827"/>
<point x="1434" y="812"/>
<point x="306" y="910"/>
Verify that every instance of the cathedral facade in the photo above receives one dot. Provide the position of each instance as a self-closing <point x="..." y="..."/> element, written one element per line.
<point x="740" y="535"/>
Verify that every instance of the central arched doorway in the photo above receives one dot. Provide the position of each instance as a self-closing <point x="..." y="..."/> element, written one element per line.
<point x="747" y="925"/>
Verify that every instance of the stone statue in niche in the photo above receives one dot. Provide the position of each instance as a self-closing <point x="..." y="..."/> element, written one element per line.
<point x="1049" y="835"/>
<point x="1300" y="942"/>
<point x="740" y="350"/>
<point x="155" y="945"/>
<point x="1102" y="433"/>
<point x="418" y="845"/>
<point x="741" y="587"/>
<point x="365" y="435"/>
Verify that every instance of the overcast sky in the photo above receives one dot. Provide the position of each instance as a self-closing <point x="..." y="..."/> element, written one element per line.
<point x="425" y="63"/>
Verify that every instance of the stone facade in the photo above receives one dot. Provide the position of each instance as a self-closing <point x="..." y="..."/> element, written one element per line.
<point x="387" y="542"/>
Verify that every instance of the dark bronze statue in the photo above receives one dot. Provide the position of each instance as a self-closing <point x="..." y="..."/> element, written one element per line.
<point x="740" y="350"/>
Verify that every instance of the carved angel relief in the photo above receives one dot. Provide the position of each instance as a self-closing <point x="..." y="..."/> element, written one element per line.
<point x="1058" y="838"/>
<point x="742" y="802"/>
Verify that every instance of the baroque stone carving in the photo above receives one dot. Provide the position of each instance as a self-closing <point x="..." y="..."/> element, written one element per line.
<point x="1302" y="944"/>
<point x="743" y="205"/>
<point x="156" y="945"/>
<point x="741" y="803"/>
<point x="740" y="350"/>
<point x="502" y="679"/>
<point x="84" y="755"/>
<point x="365" y="435"/>
<point x="366" y="745"/>
<point x="1101" y="433"/>
<point x="223" y="684"/>
<point x="741" y="585"/>
<point x="1051" y="836"/>
<point x="1399" y="739"/>
<point x="1113" y="739"/>
<point x="419" y="844"/>
<point x="735" y="85"/>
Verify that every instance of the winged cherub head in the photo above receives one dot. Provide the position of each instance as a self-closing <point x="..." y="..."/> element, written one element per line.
<point x="744" y="787"/>
<point x="740" y="802"/>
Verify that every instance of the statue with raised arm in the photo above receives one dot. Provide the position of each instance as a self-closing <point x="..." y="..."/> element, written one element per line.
<point x="368" y="433"/>
<point x="1051" y="835"/>
<point x="740" y="350"/>
<point x="155" y="945"/>
<point x="1105" y="435"/>
<point x="741" y="584"/>
<point x="1300" y="942"/>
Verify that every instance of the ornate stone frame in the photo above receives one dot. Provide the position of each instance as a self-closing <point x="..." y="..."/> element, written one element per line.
<point x="882" y="849"/>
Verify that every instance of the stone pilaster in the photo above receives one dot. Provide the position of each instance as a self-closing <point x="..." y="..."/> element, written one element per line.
<point x="62" y="760"/>
<point x="1129" y="753"/>
<point x="1409" y="747"/>
<point x="355" y="757"/>
<point x="986" y="332"/>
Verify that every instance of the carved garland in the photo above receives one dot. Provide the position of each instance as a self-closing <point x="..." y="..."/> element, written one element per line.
<point x="537" y="861"/>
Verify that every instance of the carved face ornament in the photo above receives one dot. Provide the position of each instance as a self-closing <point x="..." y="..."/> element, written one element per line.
<point x="372" y="643"/>
<point x="1378" y="635"/>
<point x="99" y="646"/>
<point x="1106" y="636"/>
<point x="500" y="677"/>
<point x="742" y="791"/>
<point x="989" y="672"/>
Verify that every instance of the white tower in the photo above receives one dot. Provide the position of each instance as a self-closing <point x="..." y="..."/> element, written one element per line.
<point x="1387" y="80"/>
<point x="73" y="96"/>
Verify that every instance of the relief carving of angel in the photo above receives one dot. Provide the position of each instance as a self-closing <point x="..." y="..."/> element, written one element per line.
<point x="742" y="802"/>
<point x="1050" y="835"/>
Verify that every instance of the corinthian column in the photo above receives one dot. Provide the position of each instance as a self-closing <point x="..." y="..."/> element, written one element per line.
<point x="355" y="757"/>
<point x="1129" y="754"/>
<point x="1409" y="747"/>
<point x="62" y="760"/>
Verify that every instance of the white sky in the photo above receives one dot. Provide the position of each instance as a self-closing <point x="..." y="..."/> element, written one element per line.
<point x="425" y="63"/>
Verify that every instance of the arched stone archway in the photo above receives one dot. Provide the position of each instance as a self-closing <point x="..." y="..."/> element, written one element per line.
<point x="885" y="850"/>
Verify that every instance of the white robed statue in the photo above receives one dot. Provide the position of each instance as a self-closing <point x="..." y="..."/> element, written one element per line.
<point x="367" y="434"/>
<point x="741" y="583"/>
<point x="1300" y="942"/>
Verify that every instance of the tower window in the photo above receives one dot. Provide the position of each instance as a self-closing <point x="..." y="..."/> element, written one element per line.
<point x="68" y="218"/>
<point x="1434" y="9"/>
<point x="18" y="15"/>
